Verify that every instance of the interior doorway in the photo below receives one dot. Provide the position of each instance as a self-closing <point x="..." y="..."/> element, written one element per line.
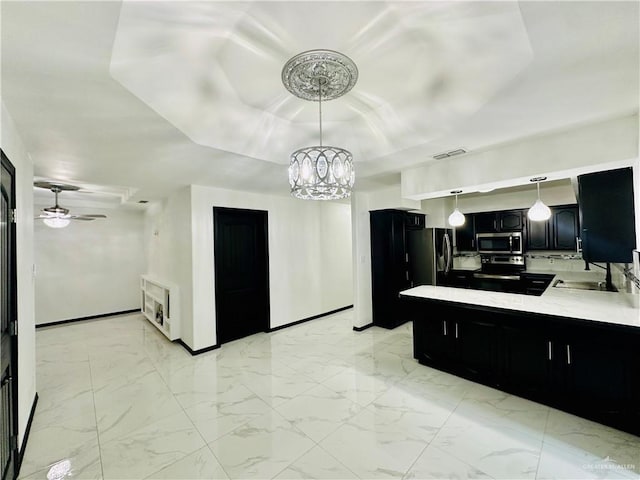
<point x="241" y="263"/>
<point x="8" y="325"/>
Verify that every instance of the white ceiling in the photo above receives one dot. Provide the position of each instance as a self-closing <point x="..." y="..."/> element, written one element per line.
<point x="137" y="99"/>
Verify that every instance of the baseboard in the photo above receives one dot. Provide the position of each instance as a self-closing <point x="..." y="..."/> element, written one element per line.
<point x="297" y="322"/>
<point x="360" y="329"/>
<point x="26" y="432"/>
<point x="91" y="317"/>
<point x="197" y="352"/>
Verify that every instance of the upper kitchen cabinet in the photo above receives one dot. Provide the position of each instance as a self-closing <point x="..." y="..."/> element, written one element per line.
<point x="560" y="232"/>
<point x="607" y="215"/>
<point x="565" y="223"/>
<point x="414" y="221"/>
<point x="503" y="221"/>
<point x="466" y="234"/>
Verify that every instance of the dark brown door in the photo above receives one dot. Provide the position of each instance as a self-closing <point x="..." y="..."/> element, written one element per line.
<point x="8" y="326"/>
<point x="241" y="272"/>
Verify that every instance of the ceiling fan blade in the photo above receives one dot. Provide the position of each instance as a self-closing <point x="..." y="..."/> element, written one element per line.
<point x="94" y="215"/>
<point x="84" y="218"/>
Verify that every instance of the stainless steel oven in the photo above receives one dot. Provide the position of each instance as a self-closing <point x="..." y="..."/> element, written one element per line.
<point x="504" y="242"/>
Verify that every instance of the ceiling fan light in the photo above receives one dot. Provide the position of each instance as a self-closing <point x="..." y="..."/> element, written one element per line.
<point x="56" y="222"/>
<point x="539" y="212"/>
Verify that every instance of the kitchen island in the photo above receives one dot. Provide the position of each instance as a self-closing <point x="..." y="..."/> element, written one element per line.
<point x="576" y="350"/>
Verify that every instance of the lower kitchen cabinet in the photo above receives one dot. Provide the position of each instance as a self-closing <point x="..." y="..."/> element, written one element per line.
<point x="526" y="355"/>
<point x="587" y="368"/>
<point x="455" y="343"/>
<point x="596" y="374"/>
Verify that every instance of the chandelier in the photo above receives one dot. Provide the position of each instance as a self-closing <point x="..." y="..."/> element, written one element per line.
<point x="320" y="172"/>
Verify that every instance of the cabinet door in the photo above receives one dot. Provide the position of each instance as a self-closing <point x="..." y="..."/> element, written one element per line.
<point x="565" y="227"/>
<point x="510" y="221"/>
<point x="538" y="235"/>
<point x="597" y="370"/>
<point x="607" y="216"/>
<point x="415" y="221"/>
<point x="527" y="360"/>
<point x="477" y="343"/>
<point x="433" y="343"/>
<point x="486" y="222"/>
<point x="389" y="268"/>
<point x="466" y="235"/>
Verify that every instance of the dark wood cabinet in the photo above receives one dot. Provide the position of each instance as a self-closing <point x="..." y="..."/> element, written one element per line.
<point x="527" y="366"/>
<point x="486" y="222"/>
<point x="607" y="216"/>
<point x="450" y="341"/>
<point x="538" y="235"/>
<point x="389" y="263"/>
<point x="560" y="232"/>
<point x="501" y="221"/>
<point x="466" y="234"/>
<point x="591" y="369"/>
<point x="414" y="221"/>
<point x="477" y="347"/>
<point x="565" y="223"/>
<point x="510" y="221"/>
<point x="595" y="373"/>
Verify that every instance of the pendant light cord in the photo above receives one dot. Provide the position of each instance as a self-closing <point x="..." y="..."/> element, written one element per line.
<point x="538" y="185"/>
<point x="320" y="108"/>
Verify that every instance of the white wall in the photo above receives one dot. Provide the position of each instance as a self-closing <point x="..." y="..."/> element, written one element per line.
<point x="594" y="147"/>
<point x="309" y="255"/>
<point x="168" y="240"/>
<point x="14" y="149"/>
<point x="89" y="268"/>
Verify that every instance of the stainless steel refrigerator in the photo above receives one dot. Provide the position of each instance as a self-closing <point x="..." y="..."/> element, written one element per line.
<point x="430" y="255"/>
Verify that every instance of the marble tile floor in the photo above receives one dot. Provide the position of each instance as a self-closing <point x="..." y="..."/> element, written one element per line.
<point x="316" y="400"/>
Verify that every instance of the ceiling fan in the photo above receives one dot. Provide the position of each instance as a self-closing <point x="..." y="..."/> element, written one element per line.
<point x="57" y="216"/>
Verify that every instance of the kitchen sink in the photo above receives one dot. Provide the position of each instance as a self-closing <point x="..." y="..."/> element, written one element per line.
<point x="602" y="286"/>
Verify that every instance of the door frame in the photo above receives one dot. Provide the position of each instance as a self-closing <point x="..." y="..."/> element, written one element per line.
<point x="13" y="314"/>
<point x="216" y="233"/>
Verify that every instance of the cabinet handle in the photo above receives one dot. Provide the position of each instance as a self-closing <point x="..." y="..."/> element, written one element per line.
<point x="406" y="257"/>
<point x="568" y="354"/>
<point x="456" y="329"/>
<point x="444" y="327"/>
<point x="549" y="350"/>
<point x="407" y="275"/>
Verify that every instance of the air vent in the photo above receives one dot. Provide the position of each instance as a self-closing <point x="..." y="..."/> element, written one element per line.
<point x="451" y="153"/>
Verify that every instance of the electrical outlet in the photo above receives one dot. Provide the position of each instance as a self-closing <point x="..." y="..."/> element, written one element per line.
<point x="550" y="260"/>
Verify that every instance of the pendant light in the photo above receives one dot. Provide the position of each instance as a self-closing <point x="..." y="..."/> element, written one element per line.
<point x="538" y="212"/>
<point x="456" y="219"/>
<point x="320" y="172"/>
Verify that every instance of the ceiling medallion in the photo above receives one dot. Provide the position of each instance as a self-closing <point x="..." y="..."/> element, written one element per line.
<point x="320" y="172"/>
<point x="337" y="74"/>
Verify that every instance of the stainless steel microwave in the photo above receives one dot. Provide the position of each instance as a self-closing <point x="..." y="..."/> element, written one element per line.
<point x="503" y="242"/>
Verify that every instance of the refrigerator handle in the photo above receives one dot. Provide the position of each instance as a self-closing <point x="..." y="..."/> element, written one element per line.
<point x="446" y="246"/>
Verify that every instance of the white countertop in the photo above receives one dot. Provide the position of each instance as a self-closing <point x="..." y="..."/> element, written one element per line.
<point x="609" y="307"/>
